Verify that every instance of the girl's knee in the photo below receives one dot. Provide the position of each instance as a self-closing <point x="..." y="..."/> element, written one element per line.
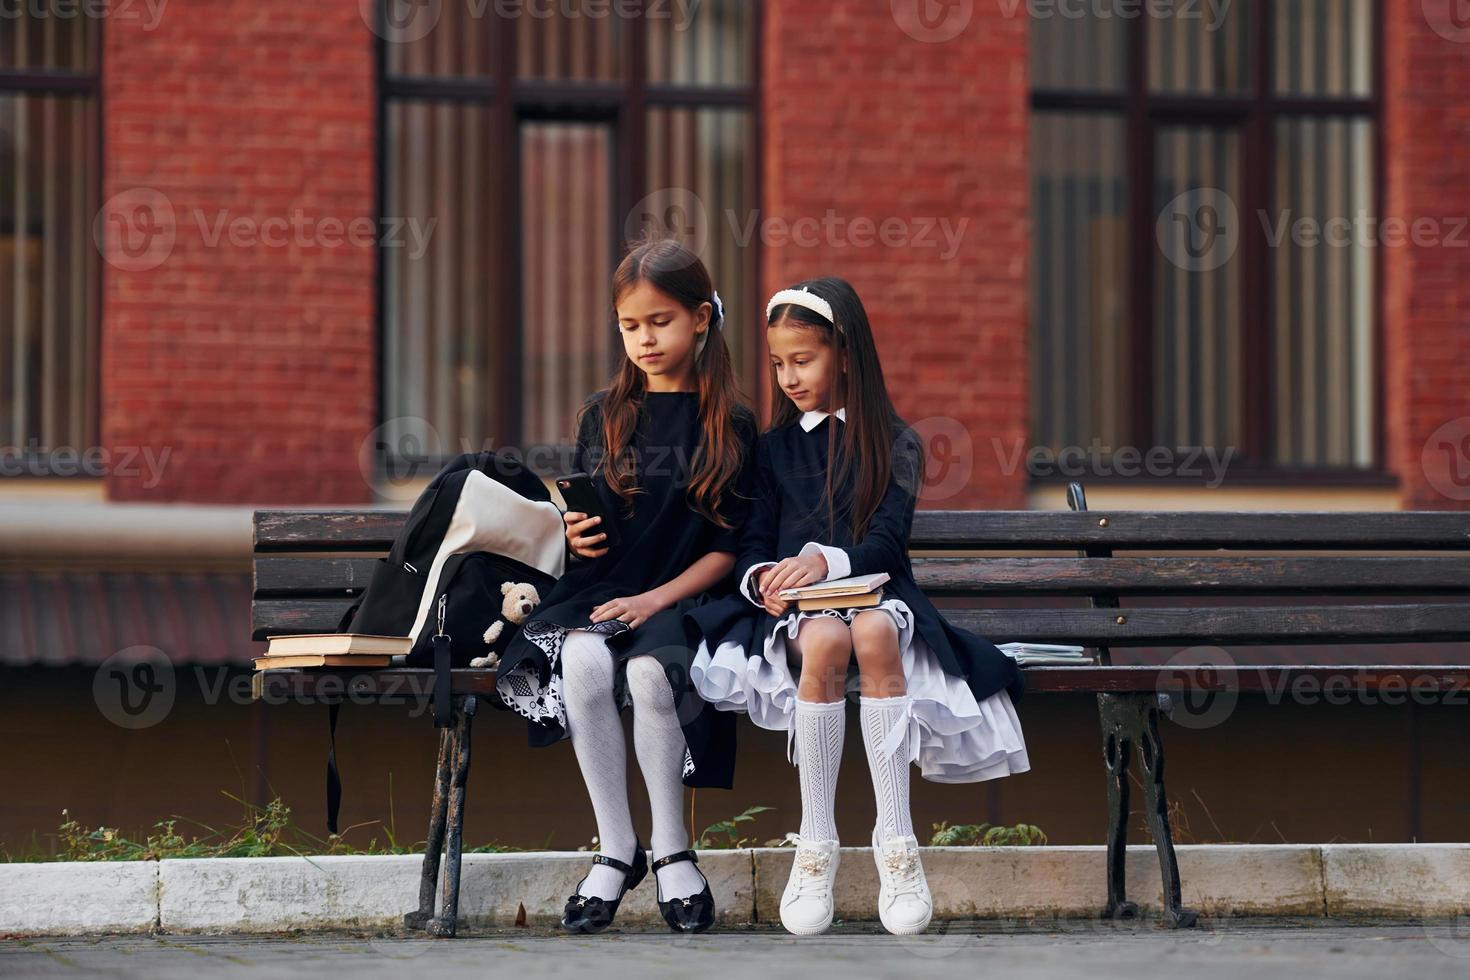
<point x="648" y="685"/>
<point x="874" y="634"/>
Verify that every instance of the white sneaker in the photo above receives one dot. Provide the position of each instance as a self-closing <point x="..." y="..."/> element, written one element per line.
<point x="904" y="904"/>
<point x="806" y="905"/>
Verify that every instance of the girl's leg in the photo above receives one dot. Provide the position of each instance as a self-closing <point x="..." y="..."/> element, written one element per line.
<point x="588" y="674"/>
<point x="659" y="741"/>
<point x="823" y="647"/>
<point x="884" y="708"/>
<point x="904" y="903"/>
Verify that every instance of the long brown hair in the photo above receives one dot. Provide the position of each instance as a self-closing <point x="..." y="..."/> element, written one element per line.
<point x="867" y="450"/>
<point x="677" y="272"/>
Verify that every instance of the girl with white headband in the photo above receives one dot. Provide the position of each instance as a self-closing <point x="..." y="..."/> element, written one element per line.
<point x="665" y="444"/>
<point x="835" y="483"/>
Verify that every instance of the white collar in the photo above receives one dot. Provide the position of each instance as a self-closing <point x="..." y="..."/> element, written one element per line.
<point x="810" y="420"/>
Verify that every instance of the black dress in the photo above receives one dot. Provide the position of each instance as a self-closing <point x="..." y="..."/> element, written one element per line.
<point x="738" y="667"/>
<point x="661" y="537"/>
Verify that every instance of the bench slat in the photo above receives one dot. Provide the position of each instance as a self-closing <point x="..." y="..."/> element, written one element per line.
<point x="283" y="576"/>
<point x="373" y="530"/>
<point x="1275" y="680"/>
<point x="1148" y="626"/>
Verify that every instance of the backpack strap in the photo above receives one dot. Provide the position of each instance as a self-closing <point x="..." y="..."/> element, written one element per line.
<point x="334" y="778"/>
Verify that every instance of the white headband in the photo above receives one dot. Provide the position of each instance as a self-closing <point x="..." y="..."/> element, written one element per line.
<point x="803" y="297"/>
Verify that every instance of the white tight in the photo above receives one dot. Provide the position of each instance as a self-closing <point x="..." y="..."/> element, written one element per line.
<point x="588" y="675"/>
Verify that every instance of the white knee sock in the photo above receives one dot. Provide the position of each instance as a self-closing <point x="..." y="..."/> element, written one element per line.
<point x="659" y="741"/>
<point x="819" y="729"/>
<point x="889" y="765"/>
<point x="588" y="673"/>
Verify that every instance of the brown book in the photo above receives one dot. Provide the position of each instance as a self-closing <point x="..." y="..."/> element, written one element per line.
<point x="356" y="644"/>
<point x="840" y="602"/>
<point x="323" y="660"/>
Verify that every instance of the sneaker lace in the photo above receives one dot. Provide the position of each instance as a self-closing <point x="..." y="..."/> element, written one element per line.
<point x="905" y="872"/>
<point x="811" y="863"/>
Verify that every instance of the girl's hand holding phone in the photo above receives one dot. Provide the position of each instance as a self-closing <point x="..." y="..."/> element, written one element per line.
<point x="580" y="535"/>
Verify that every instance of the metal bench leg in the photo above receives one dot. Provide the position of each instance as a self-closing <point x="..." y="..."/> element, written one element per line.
<point x="1156" y="810"/>
<point x="1117" y="750"/>
<point x="434" y="845"/>
<point x="445" y="923"/>
<point x="1129" y="720"/>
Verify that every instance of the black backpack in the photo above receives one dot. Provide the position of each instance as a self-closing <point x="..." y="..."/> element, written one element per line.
<point x="483" y="535"/>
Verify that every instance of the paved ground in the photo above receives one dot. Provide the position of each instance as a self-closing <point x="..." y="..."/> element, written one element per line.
<point x="1296" y="949"/>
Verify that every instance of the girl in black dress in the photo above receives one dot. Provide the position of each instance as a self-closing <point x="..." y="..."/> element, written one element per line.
<point x="664" y="444"/>
<point x="835" y="483"/>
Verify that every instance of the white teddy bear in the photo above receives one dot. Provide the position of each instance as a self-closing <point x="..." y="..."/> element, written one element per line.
<point x="520" y="599"/>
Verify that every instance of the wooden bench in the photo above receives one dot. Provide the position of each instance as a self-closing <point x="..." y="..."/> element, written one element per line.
<point x="309" y="565"/>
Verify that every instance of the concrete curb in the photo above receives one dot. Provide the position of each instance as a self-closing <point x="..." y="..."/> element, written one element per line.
<point x="281" y="894"/>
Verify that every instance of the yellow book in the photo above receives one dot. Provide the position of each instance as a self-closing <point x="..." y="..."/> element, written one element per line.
<point x="323" y="660"/>
<point x="839" y="602"/>
<point x="318" y="644"/>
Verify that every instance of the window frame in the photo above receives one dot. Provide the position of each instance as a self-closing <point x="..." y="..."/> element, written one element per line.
<point x="21" y="82"/>
<point x="1254" y="113"/>
<point x="623" y="103"/>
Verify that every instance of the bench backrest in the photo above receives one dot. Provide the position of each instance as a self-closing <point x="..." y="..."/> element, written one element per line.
<point x="309" y="565"/>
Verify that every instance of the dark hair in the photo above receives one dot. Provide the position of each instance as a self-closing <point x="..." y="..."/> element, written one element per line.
<point x="677" y="272"/>
<point x="868" y="437"/>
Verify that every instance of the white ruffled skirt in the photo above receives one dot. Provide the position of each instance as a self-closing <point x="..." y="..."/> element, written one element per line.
<point x="959" y="740"/>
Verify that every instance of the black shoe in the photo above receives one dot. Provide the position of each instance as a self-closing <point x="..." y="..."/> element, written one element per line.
<point x="693" y="914"/>
<point x="592" y="914"/>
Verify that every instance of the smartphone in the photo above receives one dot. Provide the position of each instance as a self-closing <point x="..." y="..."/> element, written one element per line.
<point x="580" y="495"/>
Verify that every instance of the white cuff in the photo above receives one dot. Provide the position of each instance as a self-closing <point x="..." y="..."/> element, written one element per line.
<point x="747" y="583"/>
<point x="838" y="565"/>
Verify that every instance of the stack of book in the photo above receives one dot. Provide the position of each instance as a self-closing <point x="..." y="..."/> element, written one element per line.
<point x="333" y="650"/>
<point x="840" y="593"/>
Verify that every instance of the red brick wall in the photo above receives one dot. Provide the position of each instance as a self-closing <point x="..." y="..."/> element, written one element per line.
<point x="252" y="365"/>
<point x="863" y="119"/>
<point x="1427" y="301"/>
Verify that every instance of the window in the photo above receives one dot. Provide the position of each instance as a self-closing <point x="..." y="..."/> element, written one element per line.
<point x="1180" y="167"/>
<point x="534" y="139"/>
<point x="49" y="265"/>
